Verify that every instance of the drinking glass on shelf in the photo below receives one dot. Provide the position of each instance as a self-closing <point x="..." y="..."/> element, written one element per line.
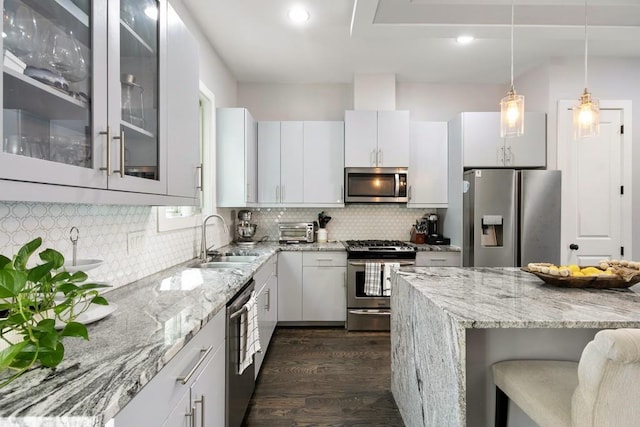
<point x="62" y="53"/>
<point x="19" y="28"/>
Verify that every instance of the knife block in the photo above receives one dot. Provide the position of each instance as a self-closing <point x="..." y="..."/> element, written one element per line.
<point x="417" y="237"/>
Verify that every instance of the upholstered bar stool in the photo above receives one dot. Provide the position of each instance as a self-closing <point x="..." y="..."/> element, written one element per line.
<point x="602" y="390"/>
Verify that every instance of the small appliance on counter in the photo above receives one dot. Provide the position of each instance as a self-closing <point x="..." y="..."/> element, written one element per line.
<point x="426" y="231"/>
<point x="245" y="230"/>
<point x="296" y="232"/>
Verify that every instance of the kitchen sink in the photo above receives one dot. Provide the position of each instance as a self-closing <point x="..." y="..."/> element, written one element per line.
<point x="218" y="265"/>
<point x="234" y="258"/>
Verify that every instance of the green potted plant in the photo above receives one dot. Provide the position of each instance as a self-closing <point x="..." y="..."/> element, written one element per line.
<point x="38" y="308"/>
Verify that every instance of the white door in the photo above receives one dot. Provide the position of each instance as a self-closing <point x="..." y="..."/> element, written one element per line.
<point x="289" y="286"/>
<point x="428" y="167"/>
<point x="593" y="219"/>
<point x="324" y="294"/>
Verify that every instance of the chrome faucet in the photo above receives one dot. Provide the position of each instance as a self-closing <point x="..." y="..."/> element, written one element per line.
<point x="203" y="242"/>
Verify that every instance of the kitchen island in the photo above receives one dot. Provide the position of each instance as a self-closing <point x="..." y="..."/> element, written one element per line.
<point x="449" y="324"/>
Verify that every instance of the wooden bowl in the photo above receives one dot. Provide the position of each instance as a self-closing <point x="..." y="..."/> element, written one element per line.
<point x="599" y="282"/>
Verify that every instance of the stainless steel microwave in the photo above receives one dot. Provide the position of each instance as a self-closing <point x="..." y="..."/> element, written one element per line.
<point x="375" y="185"/>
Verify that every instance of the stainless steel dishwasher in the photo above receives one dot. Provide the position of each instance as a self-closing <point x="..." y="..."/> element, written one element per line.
<point x="239" y="387"/>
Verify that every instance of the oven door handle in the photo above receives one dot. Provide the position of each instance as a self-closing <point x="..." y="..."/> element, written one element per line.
<point x="371" y="313"/>
<point x="402" y="263"/>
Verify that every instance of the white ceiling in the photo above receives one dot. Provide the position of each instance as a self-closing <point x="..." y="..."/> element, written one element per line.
<point x="412" y="38"/>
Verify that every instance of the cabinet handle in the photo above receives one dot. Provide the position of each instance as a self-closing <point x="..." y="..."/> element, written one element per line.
<point x="193" y="370"/>
<point x="277" y="193"/>
<point x="341" y="194"/>
<point x="500" y="155"/>
<point x="201" y="402"/>
<point x="282" y="193"/>
<point x="372" y="158"/>
<point x="509" y="156"/>
<point x="380" y="161"/>
<point x="121" y="138"/>
<point x="438" y="259"/>
<point x="108" y="133"/>
<point x="200" y="177"/>
<point x="247" y="196"/>
<point x="344" y="280"/>
<point x="267" y="306"/>
<point x="410" y="188"/>
<point x="191" y="416"/>
<point x="324" y="259"/>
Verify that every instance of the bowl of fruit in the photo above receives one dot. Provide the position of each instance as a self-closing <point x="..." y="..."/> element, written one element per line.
<point x="607" y="274"/>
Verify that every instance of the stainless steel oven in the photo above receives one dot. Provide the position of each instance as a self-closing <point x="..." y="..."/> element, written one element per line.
<point x="367" y="311"/>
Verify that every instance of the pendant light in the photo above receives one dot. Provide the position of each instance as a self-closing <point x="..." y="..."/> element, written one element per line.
<point x="512" y="105"/>
<point x="586" y="115"/>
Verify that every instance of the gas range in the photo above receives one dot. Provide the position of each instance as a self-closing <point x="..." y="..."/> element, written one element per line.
<point x="379" y="249"/>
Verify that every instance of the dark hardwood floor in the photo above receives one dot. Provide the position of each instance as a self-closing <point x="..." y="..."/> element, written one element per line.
<point x="325" y="377"/>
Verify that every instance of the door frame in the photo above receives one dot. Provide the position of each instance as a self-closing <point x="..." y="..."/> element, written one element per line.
<point x="564" y="131"/>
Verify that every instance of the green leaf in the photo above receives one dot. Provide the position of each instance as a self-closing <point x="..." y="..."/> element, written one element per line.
<point x="8" y="355"/>
<point x="75" y="329"/>
<point x="4" y="261"/>
<point x="25" y="252"/>
<point x="66" y="288"/>
<point x="90" y="286"/>
<point x="37" y="273"/>
<point x="46" y="325"/>
<point x="99" y="300"/>
<point x="11" y="282"/>
<point x="51" y="357"/>
<point x="78" y="276"/>
<point x="52" y="256"/>
<point x="63" y="276"/>
<point x="48" y="339"/>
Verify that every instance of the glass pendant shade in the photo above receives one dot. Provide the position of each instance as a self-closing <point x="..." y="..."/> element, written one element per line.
<point x="512" y="115"/>
<point x="586" y="117"/>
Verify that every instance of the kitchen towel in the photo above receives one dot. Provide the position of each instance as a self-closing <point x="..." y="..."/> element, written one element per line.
<point x="249" y="336"/>
<point x="372" y="286"/>
<point x="386" y="277"/>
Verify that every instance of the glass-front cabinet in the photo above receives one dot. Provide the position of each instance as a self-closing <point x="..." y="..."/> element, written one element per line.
<point x="81" y="94"/>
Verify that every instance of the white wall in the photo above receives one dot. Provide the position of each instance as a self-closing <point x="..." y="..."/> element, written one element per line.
<point x="213" y="71"/>
<point x="296" y="101"/>
<point x="440" y="102"/>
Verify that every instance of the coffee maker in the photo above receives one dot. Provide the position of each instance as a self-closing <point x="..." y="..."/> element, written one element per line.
<point x="245" y="230"/>
<point x="433" y="237"/>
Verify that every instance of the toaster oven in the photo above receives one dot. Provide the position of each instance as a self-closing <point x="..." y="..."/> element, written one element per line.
<point x="296" y="232"/>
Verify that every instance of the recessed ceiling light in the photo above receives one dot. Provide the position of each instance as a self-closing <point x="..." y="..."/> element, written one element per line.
<point x="298" y="15"/>
<point x="465" y="39"/>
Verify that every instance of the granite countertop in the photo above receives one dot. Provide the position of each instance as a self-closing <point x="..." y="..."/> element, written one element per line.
<point x="511" y="298"/>
<point x="156" y="317"/>
<point x="423" y="247"/>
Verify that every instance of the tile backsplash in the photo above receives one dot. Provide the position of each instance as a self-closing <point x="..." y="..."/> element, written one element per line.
<point x="383" y="221"/>
<point x="103" y="235"/>
<point x="104" y="231"/>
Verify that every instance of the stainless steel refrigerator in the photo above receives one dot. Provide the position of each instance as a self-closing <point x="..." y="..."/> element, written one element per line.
<point x="511" y="217"/>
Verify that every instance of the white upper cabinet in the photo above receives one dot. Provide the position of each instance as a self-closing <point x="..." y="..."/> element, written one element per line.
<point x="376" y="138"/>
<point x="237" y="152"/>
<point x="183" y="134"/>
<point x="280" y="163"/>
<point x="291" y="162"/>
<point x="483" y="146"/>
<point x="268" y="162"/>
<point x="393" y="139"/>
<point x="360" y="138"/>
<point x="428" y="168"/>
<point x="94" y="114"/>
<point x="324" y="163"/>
<point x="300" y="163"/>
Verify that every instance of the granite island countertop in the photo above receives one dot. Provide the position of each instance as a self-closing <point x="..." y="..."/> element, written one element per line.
<point x="437" y="312"/>
<point x="156" y="317"/>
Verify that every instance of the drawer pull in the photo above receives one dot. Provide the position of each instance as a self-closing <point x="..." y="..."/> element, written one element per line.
<point x="193" y="370"/>
<point x="324" y="259"/>
<point x="439" y="259"/>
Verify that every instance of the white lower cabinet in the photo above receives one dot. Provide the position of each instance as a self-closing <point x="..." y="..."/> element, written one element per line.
<point x="267" y="295"/>
<point x="289" y="286"/>
<point x="324" y="295"/>
<point x="312" y="286"/>
<point x="196" y="370"/>
<point x="438" y="259"/>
